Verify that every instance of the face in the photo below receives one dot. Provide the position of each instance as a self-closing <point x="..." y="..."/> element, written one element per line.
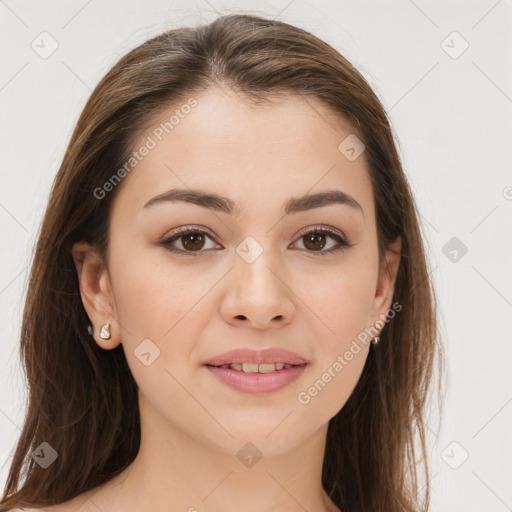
<point x="256" y="271"/>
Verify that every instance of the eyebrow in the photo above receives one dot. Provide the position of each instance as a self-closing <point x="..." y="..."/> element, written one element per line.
<point x="226" y="205"/>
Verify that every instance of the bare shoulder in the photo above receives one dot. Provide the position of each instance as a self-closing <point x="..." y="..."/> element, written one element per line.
<point x="29" y="510"/>
<point x="80" y="503"/>
<point x="53" y="508"/>
<point x="73" y="505"/>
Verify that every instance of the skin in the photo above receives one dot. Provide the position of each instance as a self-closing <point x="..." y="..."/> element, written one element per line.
<point x="194" y="308"/>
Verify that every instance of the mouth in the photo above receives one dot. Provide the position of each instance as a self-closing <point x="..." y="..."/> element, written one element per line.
<point x="257" y="379"/>
<point x="256" y="368"/>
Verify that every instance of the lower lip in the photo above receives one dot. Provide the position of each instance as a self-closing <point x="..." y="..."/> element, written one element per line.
<point x="257" y="383"/>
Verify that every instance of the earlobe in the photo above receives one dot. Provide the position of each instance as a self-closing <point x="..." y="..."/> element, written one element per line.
<point x="95" y="291"/>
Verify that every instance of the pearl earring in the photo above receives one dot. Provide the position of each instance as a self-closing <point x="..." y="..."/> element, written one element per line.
<point x="105" y="331"/>
<point x="376" y="340"/>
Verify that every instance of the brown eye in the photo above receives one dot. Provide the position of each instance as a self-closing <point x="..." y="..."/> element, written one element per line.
<point x="317" y="239"/>
<point x="192" y="241"/>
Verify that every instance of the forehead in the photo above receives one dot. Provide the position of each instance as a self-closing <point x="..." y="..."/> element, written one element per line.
<point x="252" y="153"/>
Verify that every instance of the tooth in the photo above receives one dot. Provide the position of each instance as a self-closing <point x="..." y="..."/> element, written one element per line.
<point x="255" y="368"/>
<point x="267" y="367"/>
<point x="249" y="367"/>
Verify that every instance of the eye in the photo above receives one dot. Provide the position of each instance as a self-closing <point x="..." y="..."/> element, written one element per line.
<point x="192" y="240"/>
<point x="315" y="239"/>
<point x="192" y="243"/>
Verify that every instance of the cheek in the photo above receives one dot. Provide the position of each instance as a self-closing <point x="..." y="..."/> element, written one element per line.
<point x="163" y="317"/>
<point x="331" y="384"/>
<point x="344" y="305"/>
<point x="340" y="355"/>
<point x="340" y="303"/>
<point x="153" y="296"/>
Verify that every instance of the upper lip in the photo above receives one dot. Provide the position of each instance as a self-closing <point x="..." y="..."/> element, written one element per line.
<point x="267" y="355"/>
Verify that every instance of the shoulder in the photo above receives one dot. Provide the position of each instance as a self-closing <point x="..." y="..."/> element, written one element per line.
<point x="62" y="507"/>
<point x="25" y="509"/>
<point x="80" y="503"/>
<point x="31" y="509"/>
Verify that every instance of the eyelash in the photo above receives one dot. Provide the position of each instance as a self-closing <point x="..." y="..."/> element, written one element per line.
<point x="343" y="244"/>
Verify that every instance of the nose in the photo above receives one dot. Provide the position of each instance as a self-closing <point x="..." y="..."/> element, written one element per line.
<point x="259" y="294"/>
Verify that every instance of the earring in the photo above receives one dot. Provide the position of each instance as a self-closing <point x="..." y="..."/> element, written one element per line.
<point x="105" y="331"/>
<point x="89" y="329"/>
<point x="376" y="340"/>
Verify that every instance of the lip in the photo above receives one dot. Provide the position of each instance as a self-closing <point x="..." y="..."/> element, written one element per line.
<point x="267" y="355"/>
<point x="257" y="383"/>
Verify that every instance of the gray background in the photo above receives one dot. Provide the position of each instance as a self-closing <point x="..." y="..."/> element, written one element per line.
<point x="451" y="111"/>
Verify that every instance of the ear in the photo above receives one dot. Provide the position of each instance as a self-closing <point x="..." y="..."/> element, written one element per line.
<point x="96" y="293"/>
<point x="386" y="283"/>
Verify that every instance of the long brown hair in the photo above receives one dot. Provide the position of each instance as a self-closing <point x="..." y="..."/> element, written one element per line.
<point x="83" y="400"/>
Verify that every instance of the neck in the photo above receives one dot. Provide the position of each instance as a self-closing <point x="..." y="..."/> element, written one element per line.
<point x="174" y="470"/>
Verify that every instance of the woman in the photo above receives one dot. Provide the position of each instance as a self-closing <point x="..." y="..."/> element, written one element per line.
<point x="229" y="305"/>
